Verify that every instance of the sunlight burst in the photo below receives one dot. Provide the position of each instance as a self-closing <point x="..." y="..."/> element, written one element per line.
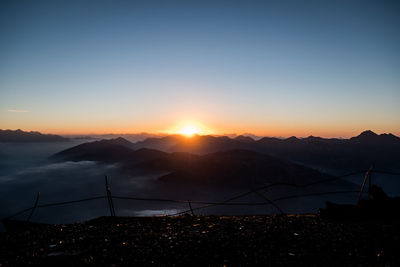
<point x="189" y="130"/>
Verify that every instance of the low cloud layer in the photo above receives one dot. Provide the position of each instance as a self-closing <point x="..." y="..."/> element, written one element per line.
<point x="26" y="170"/>
<point x="81" y="166"/>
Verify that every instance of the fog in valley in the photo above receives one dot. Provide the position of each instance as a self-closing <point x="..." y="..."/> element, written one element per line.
<point x="26" y="170"/>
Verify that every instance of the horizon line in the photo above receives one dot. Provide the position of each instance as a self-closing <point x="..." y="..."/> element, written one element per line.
<point x="230" y="135"/>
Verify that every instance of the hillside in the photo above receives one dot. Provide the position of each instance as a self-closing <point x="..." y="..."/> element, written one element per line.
<point x="112" y="150"/>
<point x="234" y="168"/>
<point x="239" y="168"/>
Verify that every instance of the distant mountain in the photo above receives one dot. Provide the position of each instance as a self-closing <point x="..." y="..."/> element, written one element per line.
<point x="235" y="168"/>
<point x="111" y="150"/>
<point x="117" y="141"/>
<point x="160" y="143"/>
<point x="369" y="137"/>
<point x="331" y="155"/>
<point x="130" y="137"/>
<point x="334" y="156"/>
<point x="206" y="144"/>
<point x="21" y="136"/>
<point x="244" y="139"/>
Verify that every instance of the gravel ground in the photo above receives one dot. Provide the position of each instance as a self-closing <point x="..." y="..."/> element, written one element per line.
<point x="284" y="240"/>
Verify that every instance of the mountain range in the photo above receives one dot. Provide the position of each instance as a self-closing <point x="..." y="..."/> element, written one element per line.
<point x="234" y="168"/>
<point x="236" y="161"/>
<point x="22" y="136"/>
<point x="334" y="156"/>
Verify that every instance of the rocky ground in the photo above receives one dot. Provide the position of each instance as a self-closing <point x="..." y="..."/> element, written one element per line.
<point x="284" y="240"/>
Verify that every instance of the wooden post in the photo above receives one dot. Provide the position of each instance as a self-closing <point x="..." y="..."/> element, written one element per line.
<point x="190" y="206"/>
<point x="369" y="181"/>
<point x="34" y="207"/>
<point x="367" y="175"/>
<point x="109" y="198"/>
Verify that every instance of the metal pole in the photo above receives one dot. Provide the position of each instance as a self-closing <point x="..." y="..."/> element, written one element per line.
<point x="34" y="207"/>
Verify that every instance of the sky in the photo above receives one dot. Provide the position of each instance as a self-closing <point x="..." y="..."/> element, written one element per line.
<point x="276" y="68"/>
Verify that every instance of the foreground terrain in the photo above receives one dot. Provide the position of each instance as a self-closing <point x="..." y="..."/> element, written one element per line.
<point x="284" y="240"/>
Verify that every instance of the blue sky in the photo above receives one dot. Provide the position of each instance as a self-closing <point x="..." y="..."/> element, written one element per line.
<point x="326" y="68"/>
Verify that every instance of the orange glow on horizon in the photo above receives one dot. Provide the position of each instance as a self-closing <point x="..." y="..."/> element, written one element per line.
<point x="189" y="131"/>
<point x="191" y="127"/>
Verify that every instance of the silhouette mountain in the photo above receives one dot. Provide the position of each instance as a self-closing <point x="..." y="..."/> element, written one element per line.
<point x="161" y="143"/>
<point x="238" y="168"/>
<point x="331" y="155"/>
<point x="369" y="137"/>
<point x="366" y="135"/>
<point x="244" y="139"/>
<point x="118" y="141"/>
<point x="112" y="150"/>
<point x="22" y="136"/>
<point x="235" y="168"/>
<point x="334" y="156"/>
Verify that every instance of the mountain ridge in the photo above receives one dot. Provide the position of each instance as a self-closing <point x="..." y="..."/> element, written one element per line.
<point x="231" y="168"/>
<point x="331" y="155"/>
<point x="32" y="136"/>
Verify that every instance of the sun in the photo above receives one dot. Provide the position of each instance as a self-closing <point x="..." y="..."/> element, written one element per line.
<point x="189" y="130"/>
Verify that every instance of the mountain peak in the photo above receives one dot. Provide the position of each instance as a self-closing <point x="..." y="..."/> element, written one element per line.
<point x="292" y="138"/>
<point x="373" y="138"/>
<point x="367" y="133"/>
<point x="245" y="139"/>
<point x="119" y="141"/>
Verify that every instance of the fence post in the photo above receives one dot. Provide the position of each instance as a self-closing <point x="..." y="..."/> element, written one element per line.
<point x="34" y="207"/>
<point x="109" y="198"/>
<point x="367" y="175"/>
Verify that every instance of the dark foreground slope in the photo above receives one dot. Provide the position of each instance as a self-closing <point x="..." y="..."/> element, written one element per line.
<point x="287" y="240"/>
